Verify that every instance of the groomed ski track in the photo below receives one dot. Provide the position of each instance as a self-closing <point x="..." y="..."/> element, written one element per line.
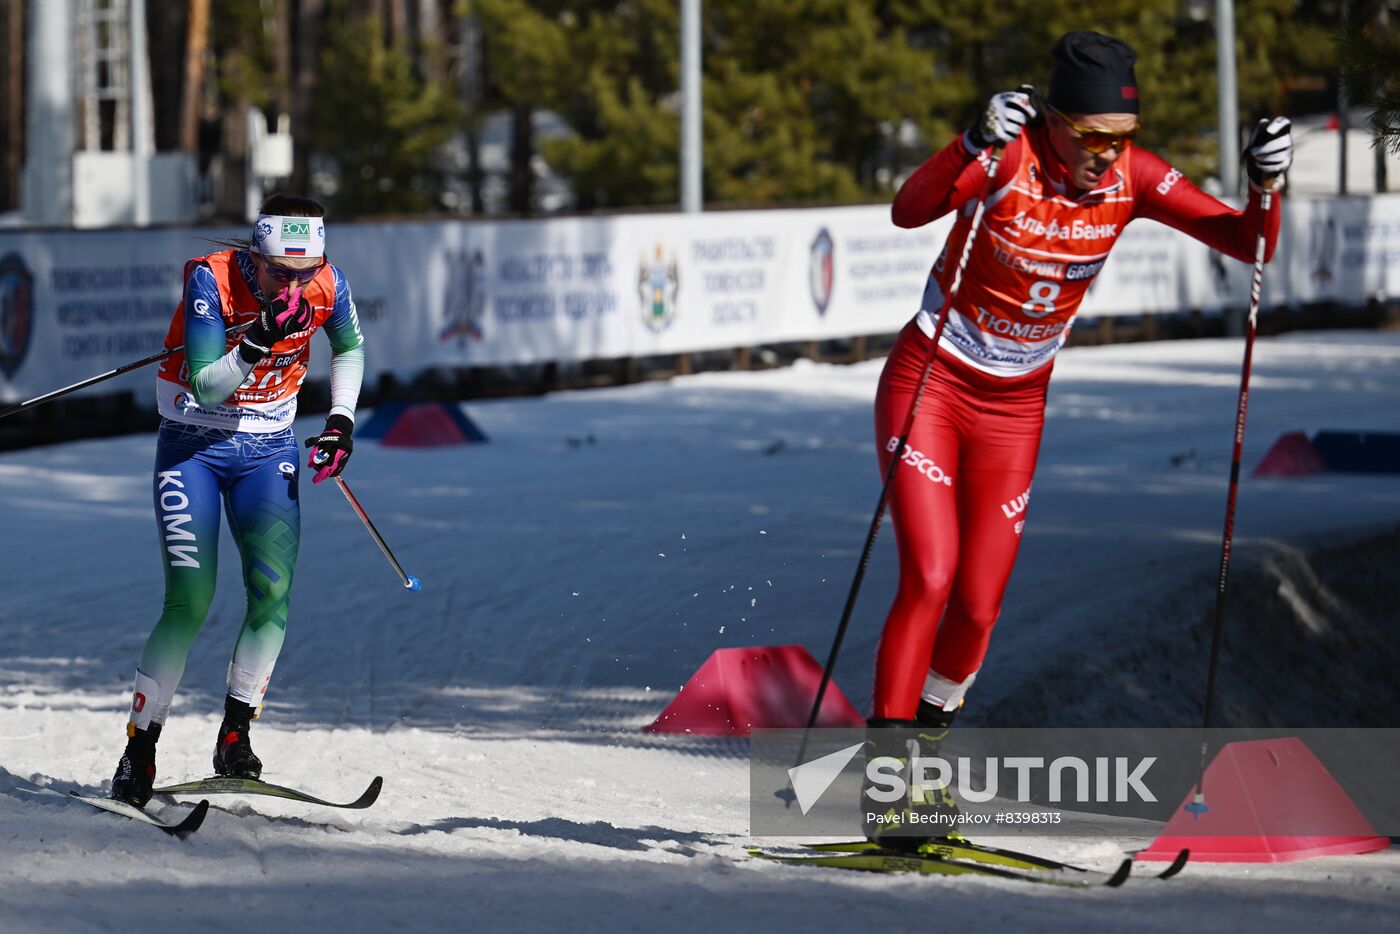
<point x="571" y="586"/>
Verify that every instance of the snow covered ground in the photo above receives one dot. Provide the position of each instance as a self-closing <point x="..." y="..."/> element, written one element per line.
<point x="576" y="571"/>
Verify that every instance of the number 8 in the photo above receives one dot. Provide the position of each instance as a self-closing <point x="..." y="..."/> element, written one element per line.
<point x="1042" y="300"/>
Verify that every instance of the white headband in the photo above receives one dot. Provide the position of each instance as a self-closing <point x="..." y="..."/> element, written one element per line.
<point x="276" y="235"/>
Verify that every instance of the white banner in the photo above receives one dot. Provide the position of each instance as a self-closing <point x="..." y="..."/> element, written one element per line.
<point x="855" y="272"/>
<point x="1345" y="250"/>
<point x="521" y="292"/>
<point x="74" y="304"/>
<point x="486" y="293"/>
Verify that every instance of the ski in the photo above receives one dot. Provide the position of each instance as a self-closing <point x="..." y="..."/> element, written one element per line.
<point x="958" y="849"/>
<point x="886" y="861"/>
<point x="252" y="786"/>
<point x="1176" y="865"/>
<point x="978" y="852"/>
<point x="181" y="830"/>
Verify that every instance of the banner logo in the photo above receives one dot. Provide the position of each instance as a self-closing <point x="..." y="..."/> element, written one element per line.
<point x="658" y="283"/>
<point x="1324" y="250"/>
<point x="821" y="269"/>
<point x="16" y="313"/>
<point x="465" y="304"/>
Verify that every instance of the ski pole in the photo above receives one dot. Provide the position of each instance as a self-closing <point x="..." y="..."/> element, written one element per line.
<point x="409" y="581"/>
<point x="93" y="380"/>
<point x="1256" y="286"/>
<point x="894" y="463"/>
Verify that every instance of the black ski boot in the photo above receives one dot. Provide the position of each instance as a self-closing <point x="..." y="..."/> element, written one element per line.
<point x="233" y="755"/>
<point x="889" y="824"/>
<point x="136" y="770"/>
<point x="937" y="806"/>
<point x="925" y="815"/>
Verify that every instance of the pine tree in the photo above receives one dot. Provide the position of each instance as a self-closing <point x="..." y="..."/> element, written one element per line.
<point x="1372" y="78"/>
<point x="379" y="123"/>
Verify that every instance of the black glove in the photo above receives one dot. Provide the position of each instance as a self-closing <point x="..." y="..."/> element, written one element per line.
<point x="285" y="314"/>
<point x="1269" y="152"/>
<point x="330" y="450"/>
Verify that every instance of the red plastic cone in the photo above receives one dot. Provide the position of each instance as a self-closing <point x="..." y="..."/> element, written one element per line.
<point x="425" y="425"/>
<point x="757" y="687"/>
<point x="1268" y="801"/>
<point x="1292" y="455"/>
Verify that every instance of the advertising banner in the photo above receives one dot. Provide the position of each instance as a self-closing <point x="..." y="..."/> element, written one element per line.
<point x="498" y="293"/>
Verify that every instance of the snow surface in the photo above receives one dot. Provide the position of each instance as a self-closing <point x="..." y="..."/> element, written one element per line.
<point x="576" y="571"/>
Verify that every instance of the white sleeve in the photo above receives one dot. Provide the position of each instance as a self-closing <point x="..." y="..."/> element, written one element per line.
<point x="347" y="373"/>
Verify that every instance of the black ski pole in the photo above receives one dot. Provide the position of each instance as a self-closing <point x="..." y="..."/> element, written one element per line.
<point x="894" y="463"/>
<point x="93" y="380"/>
<point x="409" y="581"/>
<point x="1256" y="286"/>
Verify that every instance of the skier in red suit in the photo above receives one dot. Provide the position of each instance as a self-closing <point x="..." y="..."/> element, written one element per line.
<point x="1068" y="181"/>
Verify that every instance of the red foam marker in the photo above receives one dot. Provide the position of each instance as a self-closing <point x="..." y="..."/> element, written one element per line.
<point x="430" y="424"/>
<point x="1292" y="455"/>
<point x="1269" y="801"/>
<point x="757" y="687"/>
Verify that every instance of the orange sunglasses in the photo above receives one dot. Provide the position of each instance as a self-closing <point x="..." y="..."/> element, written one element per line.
<point x="1097" y="141"/>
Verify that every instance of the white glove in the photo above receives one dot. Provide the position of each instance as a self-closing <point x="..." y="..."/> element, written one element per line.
<point x="1002" y="121"/>
<point x="1269" y="152"/>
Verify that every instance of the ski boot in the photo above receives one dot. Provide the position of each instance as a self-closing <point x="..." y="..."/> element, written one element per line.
<point x="925" y="816"/>
<point x="937" y="805"/>
<point x="233" y="755"/>
<point x="890" y="825"/>
<point x="136" y="770"/>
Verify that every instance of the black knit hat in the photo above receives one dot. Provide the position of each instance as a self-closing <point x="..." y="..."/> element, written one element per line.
<point x="1093" y="74"/>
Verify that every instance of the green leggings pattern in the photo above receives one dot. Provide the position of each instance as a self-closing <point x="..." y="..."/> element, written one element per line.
<point x="254" y="478"/>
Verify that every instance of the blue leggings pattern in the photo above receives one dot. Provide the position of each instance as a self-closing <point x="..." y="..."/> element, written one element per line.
<point x="254" y="476"/>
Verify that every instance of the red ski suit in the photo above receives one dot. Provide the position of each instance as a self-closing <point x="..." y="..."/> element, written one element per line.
<point x="960" y="494"/>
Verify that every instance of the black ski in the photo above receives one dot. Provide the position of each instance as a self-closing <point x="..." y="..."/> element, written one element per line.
<point x="183" y="829"/>
<point x="1176" y="866"/>
<point x="252" y="786"/>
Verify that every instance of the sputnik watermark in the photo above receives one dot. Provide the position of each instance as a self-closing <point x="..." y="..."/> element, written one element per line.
<point x="1115" y="779"/>
<point x="1065" y="782"/>
<point x="810" y="780"/>
<point x="1101" y="780"/>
